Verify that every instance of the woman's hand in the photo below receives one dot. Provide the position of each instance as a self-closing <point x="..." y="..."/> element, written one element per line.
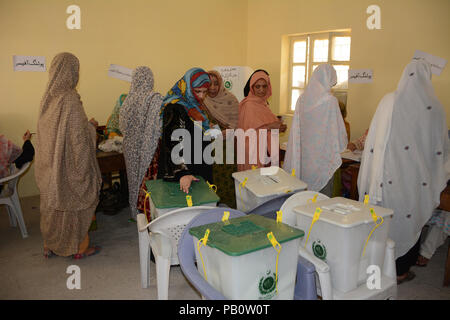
<point x="275" y="125"/>
<point x="351" y="146"/>
<point x="27" y="136"/>
<point x="185" y="182"/>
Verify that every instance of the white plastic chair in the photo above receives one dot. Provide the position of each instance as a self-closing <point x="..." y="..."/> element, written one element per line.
<point x="162" y="235"/>
<point x="10" y="197"/>
<point x="325" y="287"/>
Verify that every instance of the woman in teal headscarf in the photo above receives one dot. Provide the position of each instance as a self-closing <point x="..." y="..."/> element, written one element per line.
<point x="112" y="125"/>
<point x="183" y="105"/>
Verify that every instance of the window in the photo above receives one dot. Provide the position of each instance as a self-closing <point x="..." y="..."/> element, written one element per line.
<point x="310" y="50"/>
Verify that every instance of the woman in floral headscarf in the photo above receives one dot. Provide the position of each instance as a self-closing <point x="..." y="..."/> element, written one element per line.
<point x="66" y="168"/>
<point x="181" y="107"/>
<point x="140" y="125"/>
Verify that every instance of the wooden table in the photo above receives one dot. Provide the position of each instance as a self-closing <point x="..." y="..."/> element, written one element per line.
<point x="352" y="167"/>
<point x="110" y="163"/>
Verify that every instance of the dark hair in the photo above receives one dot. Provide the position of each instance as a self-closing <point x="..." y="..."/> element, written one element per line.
<point x="247" y="85"/>
<point x="343" y="108"/>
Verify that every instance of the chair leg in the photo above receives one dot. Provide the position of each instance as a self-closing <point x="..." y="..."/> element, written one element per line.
<point x="19" y="215"/>
<point x="389" y="268"/>
<point x="162" y="276"/>
<point x="11" y="215"/>
<point x="144" y="258"/>
<point x="447" y="268"/>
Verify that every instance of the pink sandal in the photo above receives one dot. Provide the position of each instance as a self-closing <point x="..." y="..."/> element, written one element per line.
<point x="78" y="256"/>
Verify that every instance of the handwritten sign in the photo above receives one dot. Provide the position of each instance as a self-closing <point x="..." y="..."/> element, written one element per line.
<point x="360" y="75"/>
<point x="29" y="63"/>
<point x="119" y="72"/>
<point x="234" y="78"/>
<point x="437" y="63"/>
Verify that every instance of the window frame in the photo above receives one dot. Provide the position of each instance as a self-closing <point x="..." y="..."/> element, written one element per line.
<point x="309" y="62"/>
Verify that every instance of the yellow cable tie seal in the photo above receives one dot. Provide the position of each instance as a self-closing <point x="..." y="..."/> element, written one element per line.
<point x="254" y="167"/>
<point x="314" y="219"/>
<point x="277" y="248"/>
<point x="147" y="195"/>
<point x="366" y="199"/>
<point x="293" y="172"/>
<point x="203" y="242"/>
<point x="242" y="185"/>
<point x="288" y="191"/>
<point x="189" y="201"/>
<point x="375" y="219"/>
<point x="279" y="216"/>
<point x="213" y="187"/>
<point x="313" y="199"/>
<point x="226" y="215"/>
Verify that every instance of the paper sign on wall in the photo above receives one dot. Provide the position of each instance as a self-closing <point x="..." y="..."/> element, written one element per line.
<point x="437" y="63"/>
<point x="360" y="75"/>
<point x="29" y="63"/>
<point x="235" y="78"/>
<point x="119" y="72"/>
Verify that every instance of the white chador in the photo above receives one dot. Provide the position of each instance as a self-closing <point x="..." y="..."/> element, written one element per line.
<point x="317" y="136"/>
<point x="403" y="166"/>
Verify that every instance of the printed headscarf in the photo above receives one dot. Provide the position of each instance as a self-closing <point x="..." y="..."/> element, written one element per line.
<point x="112" y="125"/>
<point x="9" y="152"/>
<point x="182" y="93"/>
<point x="247" y="85"/>
<point x="224" y="107"/>
<point x="140" y="125"/>
<point x="66" y="167"/>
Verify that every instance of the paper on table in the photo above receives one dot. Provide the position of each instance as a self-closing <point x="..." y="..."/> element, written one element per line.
<point x="355" y="155"/>
<point x="119" y="72"/>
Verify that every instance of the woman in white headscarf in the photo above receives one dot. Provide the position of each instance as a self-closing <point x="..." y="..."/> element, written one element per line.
<point x="318" y="135"/>
<point x="140" y="126"/>
<point x="404" y="159"/>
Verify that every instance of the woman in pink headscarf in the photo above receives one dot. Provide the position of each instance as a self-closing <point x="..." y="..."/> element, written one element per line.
<point x="254" y="113"/>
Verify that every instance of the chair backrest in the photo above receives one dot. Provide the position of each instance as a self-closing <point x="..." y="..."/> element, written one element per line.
<point x="269" y="208"/>
<point x="298" y="199"/>
<point x="12" y="180"/>
<point x="186" y="253"/>
<point x="16" y="173"/>
<point x="173" y="223"/>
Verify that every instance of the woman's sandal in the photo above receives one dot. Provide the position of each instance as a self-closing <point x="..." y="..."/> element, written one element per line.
<point x="409" y="276"/>
<point x="422" y="261"/>
<point x="78" y="256"/>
